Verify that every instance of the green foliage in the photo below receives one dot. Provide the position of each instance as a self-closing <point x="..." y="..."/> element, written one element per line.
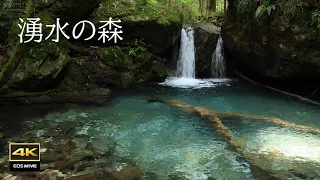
<point x="80" y="61"/>
<point x="265" y="8"/>
<point x="291" y="8"/>
<point x="244" y="7"/>
<point x="140" y="10"/>
<point x="137" y="47"/>
<point x="7" y="18"/>
<point x="315" y="19"/>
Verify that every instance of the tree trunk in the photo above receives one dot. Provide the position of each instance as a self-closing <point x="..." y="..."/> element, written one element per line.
<point x="212" y="5"/>
<point x="200" y="6"/>
<point x="170" y="3"/>
<point x="14" y="60"/>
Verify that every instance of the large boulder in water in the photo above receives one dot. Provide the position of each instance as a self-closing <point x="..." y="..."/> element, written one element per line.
<point x="205" y="41"/>
<point x="282" y="48"/>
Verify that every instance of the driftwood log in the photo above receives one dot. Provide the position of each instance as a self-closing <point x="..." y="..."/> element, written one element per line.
<point x="259" y="163"/>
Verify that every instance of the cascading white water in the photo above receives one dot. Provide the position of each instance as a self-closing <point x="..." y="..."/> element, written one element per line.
<point x="185" y="73"/>
<point x="186" y="61"/>
<point x="218" y="61"/>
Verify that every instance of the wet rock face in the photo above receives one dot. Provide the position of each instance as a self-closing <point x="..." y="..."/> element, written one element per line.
<point x="206" y="37"/>
<point x="283" y="49"/>
<point x="71" y="154"/>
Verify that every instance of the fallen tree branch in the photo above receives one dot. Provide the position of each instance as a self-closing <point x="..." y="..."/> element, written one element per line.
<point x="280" y="91"/>
<point x="258" y="162"/>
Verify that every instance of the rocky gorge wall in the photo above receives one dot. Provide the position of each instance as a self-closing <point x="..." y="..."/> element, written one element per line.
<point x="278" y="47"/>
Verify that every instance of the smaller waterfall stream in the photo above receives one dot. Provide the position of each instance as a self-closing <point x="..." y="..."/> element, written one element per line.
<point x="218" y="61"/>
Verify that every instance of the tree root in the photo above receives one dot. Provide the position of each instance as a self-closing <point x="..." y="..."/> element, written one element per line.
<point x="303" y="99"/>
<point x="258" y="162"/>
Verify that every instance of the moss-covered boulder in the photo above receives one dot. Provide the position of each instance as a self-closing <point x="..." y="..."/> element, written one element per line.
<point x="155" y="23"/>
<point x="115" y="67"/>
<point x="40" y="67"/>
<point x="205" y="41"/>
<point x="41" y="63"/>
<point x="276" y="47"/>
<point x="140" y="68"/>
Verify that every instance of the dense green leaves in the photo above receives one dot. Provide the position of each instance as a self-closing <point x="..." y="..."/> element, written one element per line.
<point x="316" y="19"/>
<point x="262" y="9"/>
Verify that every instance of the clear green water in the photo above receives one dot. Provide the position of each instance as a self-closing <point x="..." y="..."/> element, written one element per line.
<point x="164" y="140"/>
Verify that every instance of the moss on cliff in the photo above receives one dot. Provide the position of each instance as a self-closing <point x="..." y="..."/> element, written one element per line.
<point x="138" y="10"/>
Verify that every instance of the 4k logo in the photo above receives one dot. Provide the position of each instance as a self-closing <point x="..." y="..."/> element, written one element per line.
<point x="24" y="152"/>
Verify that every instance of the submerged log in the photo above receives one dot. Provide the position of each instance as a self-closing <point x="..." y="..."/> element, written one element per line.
<point x="238" y="116"/>
<point x="303" y="99"/>
<point x="258" y="162"/>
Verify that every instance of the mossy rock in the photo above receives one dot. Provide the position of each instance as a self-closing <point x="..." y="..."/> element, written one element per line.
<point x="74" y="78"/>
<point x="133" y="69"/>
<point x="119" y="59"/>
<point x="205" y="40"/>
<point x="41" y="63"/>
<point x="156" y="24"/>
<point x="113" y="67"/>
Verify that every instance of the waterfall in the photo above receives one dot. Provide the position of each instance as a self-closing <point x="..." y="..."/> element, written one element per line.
<point x="218" y="61"/>
<point x="185" y="71"/>
<point x="186" y="61"/>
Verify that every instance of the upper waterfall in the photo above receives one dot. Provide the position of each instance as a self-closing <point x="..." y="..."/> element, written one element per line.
<point x="218" y="61"/>
<point x="186" y="61"/>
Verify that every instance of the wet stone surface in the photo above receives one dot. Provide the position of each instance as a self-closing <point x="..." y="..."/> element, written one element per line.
<point x="68" y="151"/>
